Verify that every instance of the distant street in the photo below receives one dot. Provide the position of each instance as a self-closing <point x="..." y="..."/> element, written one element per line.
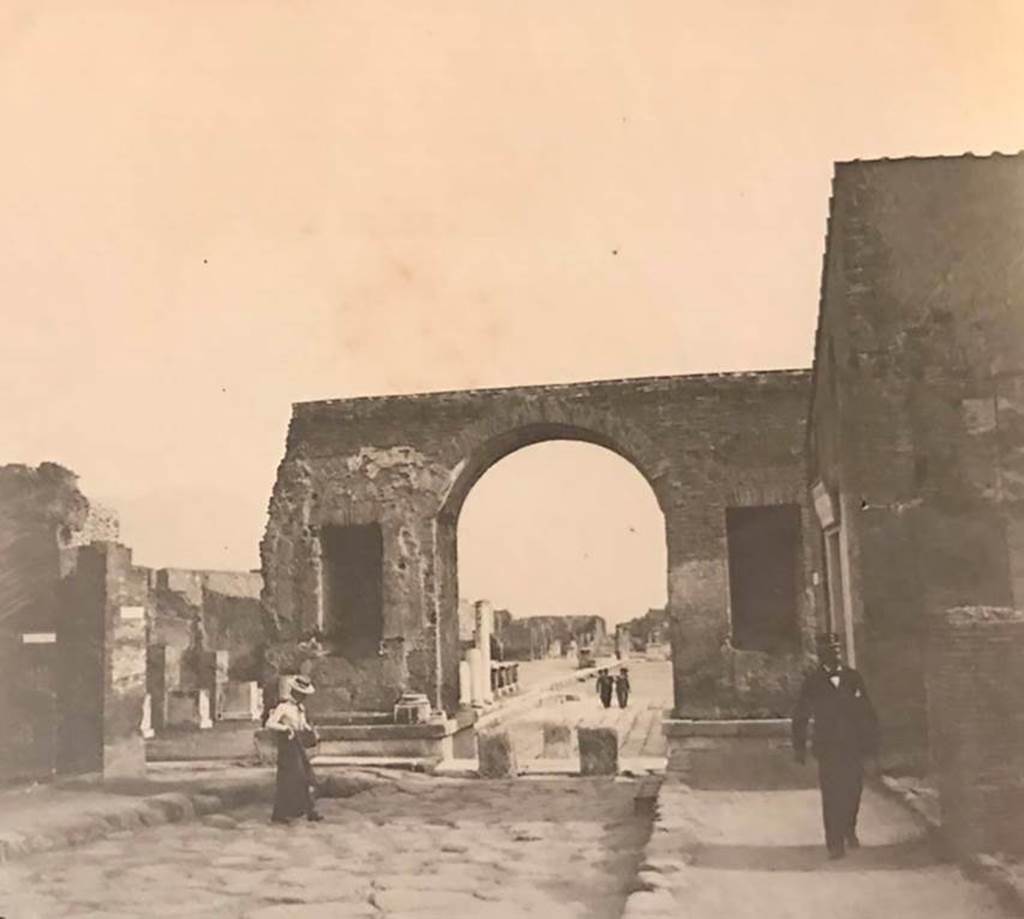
<point x="639" y="724"/>
<point x="535" y="673"/>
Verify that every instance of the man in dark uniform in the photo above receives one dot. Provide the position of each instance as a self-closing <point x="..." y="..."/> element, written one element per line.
<point x="845" y="732"/>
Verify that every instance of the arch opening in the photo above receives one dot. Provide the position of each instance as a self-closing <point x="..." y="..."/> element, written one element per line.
<point x="563" y="539"/>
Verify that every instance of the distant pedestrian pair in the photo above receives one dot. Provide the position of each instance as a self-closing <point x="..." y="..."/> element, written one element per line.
<point x="606" y="684"/>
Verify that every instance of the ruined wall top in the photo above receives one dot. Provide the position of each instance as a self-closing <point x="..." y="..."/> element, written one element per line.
<point x="623" y="386"/>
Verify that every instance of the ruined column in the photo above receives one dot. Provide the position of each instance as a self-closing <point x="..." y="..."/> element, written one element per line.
<point x="465" y="684"/>
<point x="476" y="677"/>
<point x="212" y="675"/>
<point x="484" y="623"/>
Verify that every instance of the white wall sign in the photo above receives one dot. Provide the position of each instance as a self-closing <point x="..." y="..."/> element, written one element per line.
<point x="133" y="612"/>
<point x="39" y="638"/>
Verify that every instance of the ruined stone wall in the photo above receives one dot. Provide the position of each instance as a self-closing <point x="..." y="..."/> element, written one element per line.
<point x="101" y="647"/>
<point x="975" y="678"/>
<point x="41" y="511"/>
<point x="533" y="636"/>
<point x="233" y="620"/>
<point x="704" y="443"/>
<point x="917" y="412"/>
<point x="193" y="611"/>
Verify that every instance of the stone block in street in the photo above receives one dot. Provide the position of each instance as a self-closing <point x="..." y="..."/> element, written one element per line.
<point x="599" y="751"/>
<point x="496" y="755"/>
<point x="557" y="740"/>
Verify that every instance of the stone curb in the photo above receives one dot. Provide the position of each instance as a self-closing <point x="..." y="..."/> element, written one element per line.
<point x="152" y="810"/>
<point x="666" y="857"/>
<point x="126" y="813"/>
<point x="734" y="727"/>
<point x="981" y="867"/>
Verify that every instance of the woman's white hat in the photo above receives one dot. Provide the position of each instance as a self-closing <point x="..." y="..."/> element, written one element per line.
<point x="301" y="684"/>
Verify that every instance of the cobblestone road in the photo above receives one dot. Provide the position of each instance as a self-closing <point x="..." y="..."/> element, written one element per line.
<point x="426" y="847"/>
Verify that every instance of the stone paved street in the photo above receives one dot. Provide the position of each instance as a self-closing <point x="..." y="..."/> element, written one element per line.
<point x="759" y="855"/>
<point x="426" y="847"/>
<point x="639" y="724"/>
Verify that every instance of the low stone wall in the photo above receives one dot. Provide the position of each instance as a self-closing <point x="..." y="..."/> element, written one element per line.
<point x="975" y="684"/>
<point x="758" y="753"/>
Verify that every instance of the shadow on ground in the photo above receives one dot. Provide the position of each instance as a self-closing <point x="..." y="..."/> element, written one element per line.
<point x="901" y="856"/>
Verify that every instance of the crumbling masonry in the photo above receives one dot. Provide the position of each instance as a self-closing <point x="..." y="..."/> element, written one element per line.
<point x="361" y="538"/>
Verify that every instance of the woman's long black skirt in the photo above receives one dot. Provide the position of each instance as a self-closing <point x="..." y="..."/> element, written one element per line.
<point x="292" y="796"/>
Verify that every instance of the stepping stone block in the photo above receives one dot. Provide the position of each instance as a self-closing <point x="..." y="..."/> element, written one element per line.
<point x="645" y="802"/>
<point x="557" y="740"/>
<point x="599" y="751"/>
<point x="496" y="755"/>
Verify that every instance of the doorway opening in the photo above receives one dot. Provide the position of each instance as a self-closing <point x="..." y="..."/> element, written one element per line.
<point x="764" y="546"/>
<point x="353" y="567"/>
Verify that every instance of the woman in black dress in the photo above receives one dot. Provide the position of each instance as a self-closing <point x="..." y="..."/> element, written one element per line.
<point x="293" y="795"/>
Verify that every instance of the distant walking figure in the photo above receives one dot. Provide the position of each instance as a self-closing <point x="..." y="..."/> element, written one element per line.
<point x="622" y="687"/>
<point x="845" y="732"/>
<point x="605" y="683"/>
<point x="293" y="796"/>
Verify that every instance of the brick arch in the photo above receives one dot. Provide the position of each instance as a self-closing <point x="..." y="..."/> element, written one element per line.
<point x="483" y="444"/>
<point x="702" y="442"/>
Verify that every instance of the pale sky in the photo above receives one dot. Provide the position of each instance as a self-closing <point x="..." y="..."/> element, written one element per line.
<point x="211" y="209"/>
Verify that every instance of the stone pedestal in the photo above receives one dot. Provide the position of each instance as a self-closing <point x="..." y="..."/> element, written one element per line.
<point x="599" y="751"/>
<point x="975" y="683"/>
<point x="496" y="755"/>
<point x="557" y="740"/>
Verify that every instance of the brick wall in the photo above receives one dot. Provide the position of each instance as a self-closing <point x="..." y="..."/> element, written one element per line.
<point x="704" y="443"/>
<point x="101" y="645"/>
<point x="975" y="680"/>
<point x="916" y="409"/>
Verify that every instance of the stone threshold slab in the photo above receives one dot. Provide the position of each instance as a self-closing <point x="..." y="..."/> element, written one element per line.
<point x="738" y="727"/>
<point x="632" y="766"/>
<point x="414" y="763"/>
